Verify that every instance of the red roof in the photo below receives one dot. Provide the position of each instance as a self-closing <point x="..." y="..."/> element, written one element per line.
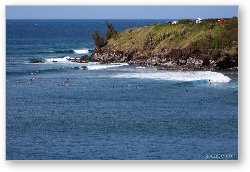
<point x="221" y="20"/>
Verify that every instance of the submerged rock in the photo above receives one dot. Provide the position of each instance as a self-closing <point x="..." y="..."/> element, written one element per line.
<point x="83" y="67"/>
<point x="36" y="60"/>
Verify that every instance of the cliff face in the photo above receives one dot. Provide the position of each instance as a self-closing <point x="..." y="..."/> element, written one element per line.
<point x="206" y="46"/>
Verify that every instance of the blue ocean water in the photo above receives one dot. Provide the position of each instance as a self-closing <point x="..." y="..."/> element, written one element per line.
<point x="57" y="111"/>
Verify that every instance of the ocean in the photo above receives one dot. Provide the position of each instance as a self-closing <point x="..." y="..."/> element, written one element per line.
<point x="55" y="111"/>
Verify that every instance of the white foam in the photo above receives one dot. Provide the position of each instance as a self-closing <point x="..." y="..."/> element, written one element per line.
<point x="83" y="51"/>
<point x="105" y="66"/>
<point x="177" y="76"/>
<point x="59" y="60"/>
<point x="140" y="67"/>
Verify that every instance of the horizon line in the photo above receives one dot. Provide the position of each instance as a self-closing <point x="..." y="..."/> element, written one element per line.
<point x="116" y="18"/>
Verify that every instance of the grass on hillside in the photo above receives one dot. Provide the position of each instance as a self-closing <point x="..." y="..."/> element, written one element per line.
<point x="207" y="35"/>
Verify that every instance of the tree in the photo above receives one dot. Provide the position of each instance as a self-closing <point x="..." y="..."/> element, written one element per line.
<point x="101" y="41"/>
<point x="110" y="31"/>
<point x="98" y="40"/>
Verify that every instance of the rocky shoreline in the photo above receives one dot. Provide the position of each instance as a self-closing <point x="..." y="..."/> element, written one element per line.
<point x="175" y="59"/>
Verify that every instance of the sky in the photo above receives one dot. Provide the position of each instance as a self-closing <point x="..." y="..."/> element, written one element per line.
<point x="120" y="12"/>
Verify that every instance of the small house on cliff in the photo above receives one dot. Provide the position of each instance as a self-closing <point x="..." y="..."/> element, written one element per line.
<point x="174" y="22"/>
<point x="221" y="20"/>
<point x="198" y="20"/>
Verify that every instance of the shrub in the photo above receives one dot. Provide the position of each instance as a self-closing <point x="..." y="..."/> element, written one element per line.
<point x="185" y="21"/>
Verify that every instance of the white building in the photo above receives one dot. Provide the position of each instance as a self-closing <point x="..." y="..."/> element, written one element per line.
<point x="198" y="20"/>
<point x="174" y="22"/>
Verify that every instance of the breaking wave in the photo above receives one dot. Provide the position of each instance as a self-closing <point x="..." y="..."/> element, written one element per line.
<point x="70" y="51"/>
<point x="105" y="66"/>
<point x="84" y="51"/>
<point x="64" y="59"/>
<point x="207" y="76"/>
<point x="74" y="51"/>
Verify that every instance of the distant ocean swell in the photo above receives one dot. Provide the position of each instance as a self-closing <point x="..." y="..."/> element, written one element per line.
<point x="70" y="51"/>
<point x="36" y="72"/>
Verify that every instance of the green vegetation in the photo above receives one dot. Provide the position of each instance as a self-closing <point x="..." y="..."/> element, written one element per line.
<point x="185" y="21"/>
<point x="101" y="41"/>
<point x="209" y="34"/>
<point x="98" y="40"/>
<point x="111" y="32"/>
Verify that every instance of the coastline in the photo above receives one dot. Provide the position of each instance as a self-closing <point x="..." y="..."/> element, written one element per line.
<point x="207" y="46"/>
<point x="173" y="68"/>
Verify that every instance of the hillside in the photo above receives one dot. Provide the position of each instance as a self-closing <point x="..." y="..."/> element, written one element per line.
<point x="209" y="45"/>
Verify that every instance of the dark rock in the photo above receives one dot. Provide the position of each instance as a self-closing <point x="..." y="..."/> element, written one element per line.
<point x="225" y="63"/>
<point x="216" y="55"/>
<point x="83" y="67"/>
<point x="171" y="59"/>
<point x="85" y="58"/>
<point x="206" y="62"/>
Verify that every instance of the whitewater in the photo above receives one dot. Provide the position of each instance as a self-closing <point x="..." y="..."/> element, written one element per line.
<point x="145" y="73"/>
<point x="209" y="76"/>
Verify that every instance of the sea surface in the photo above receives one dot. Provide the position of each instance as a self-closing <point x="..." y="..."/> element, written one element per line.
<point x="56" y="111"/>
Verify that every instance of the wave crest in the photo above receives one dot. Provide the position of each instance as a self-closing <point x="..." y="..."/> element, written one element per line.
<point x="105" y="66"/>
<point x="64" y="59"/>
<point x="69" y="51"/>
<point x="207" y="76"/>
<point x="83" y="51"/>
